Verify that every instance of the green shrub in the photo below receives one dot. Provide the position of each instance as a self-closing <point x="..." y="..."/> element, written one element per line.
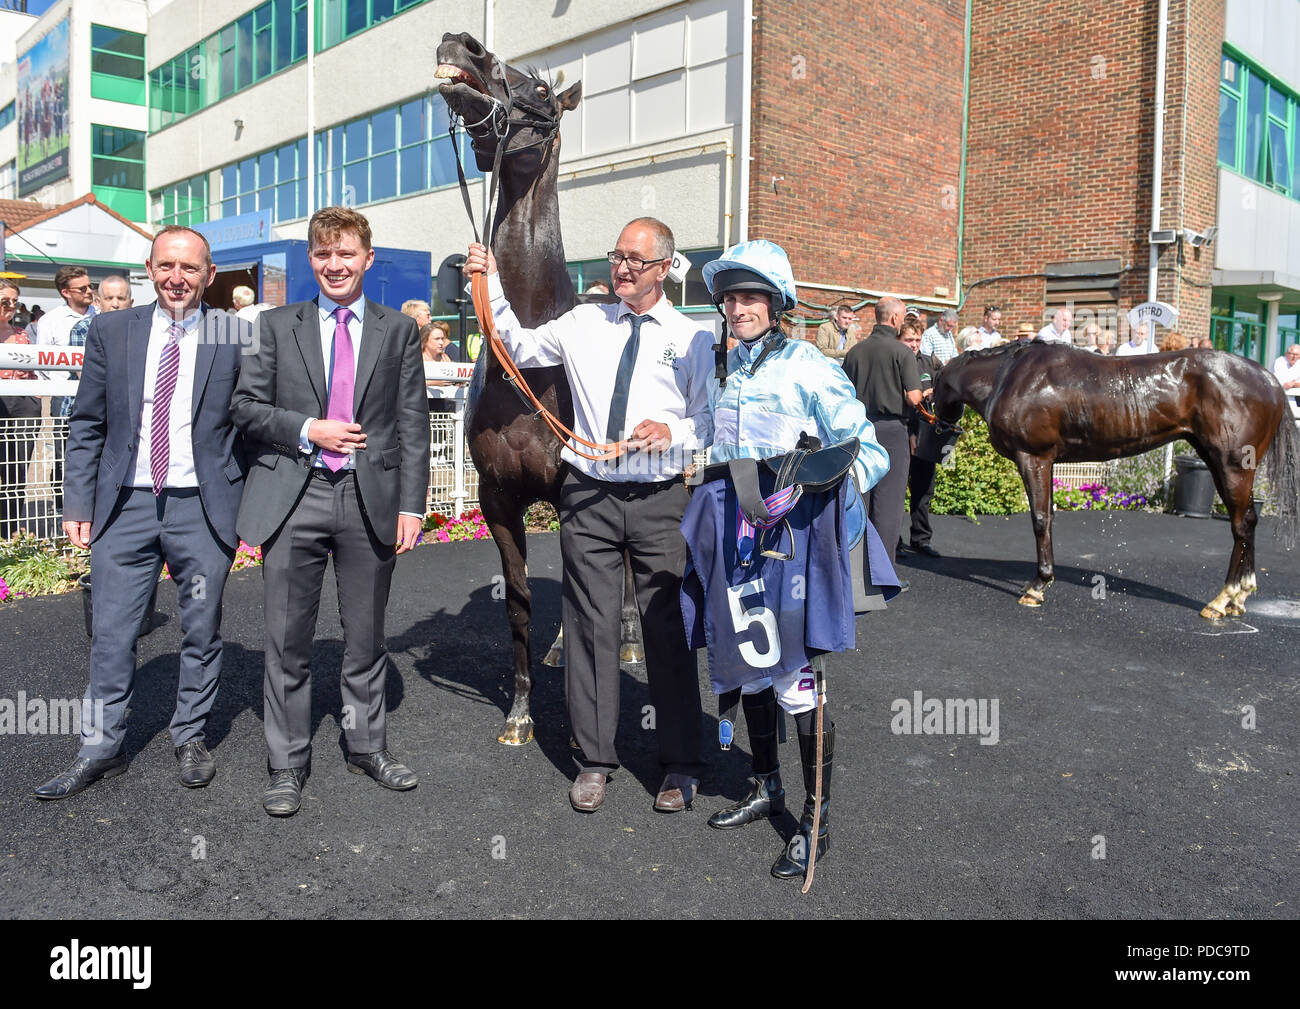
<point x="975" y="480"/>
<point x="32" y="567"/>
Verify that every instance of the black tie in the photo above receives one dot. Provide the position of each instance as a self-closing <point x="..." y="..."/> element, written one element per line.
<point x="623" y="381"/>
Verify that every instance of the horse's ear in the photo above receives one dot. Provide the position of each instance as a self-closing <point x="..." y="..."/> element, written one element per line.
<point x="568" y="99"/>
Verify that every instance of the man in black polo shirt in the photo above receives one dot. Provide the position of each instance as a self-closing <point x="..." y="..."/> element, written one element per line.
<point x="887" y="380"/>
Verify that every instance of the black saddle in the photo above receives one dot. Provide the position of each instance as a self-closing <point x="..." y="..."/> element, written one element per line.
<point x="809" y="467"/>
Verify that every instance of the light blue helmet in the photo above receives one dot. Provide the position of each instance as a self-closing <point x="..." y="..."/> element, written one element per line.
<point x="753" y="266"/>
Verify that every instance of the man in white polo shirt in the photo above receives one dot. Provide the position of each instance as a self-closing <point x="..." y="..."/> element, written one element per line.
<point x="1058" y="330"/>
<point x="1137" y="341"/>
<point x="1287" y="370"/>
<point x="634" y="503"/>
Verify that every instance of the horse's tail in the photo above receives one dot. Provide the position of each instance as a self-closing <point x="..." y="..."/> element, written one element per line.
<point x="1282" y="469"/>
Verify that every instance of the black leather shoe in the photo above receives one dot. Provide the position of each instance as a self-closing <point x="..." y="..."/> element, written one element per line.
<point x="197" y="765"/>
<point x="384" y="769"/>
<point x="925" y="548"/>
<point x="283" y="795"/>
<point x="83" y="773"/>
<point x="766" y="799"/>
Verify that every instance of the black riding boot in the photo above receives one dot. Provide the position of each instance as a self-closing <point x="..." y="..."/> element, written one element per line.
<point x="793" y="863"/>
<point x="766" y="796"/>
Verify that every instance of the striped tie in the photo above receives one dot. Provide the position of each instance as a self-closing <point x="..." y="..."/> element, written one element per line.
<point x="169" y="365"/>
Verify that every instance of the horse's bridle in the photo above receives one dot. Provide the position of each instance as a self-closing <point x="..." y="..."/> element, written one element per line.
<point x="501" y="120"/>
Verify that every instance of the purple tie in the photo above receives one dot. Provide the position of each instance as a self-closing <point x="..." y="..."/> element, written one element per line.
<point x="341" y="383"/>
<point x="169" y="365"/>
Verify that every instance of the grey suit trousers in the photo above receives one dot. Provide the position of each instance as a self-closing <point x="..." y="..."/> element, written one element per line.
<point x="326" y="518"/>
<point x="886" y="499"/>
<point x="124" y="565"/>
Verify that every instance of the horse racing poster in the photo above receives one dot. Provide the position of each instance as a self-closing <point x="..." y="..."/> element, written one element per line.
<point x="43" y="111"/>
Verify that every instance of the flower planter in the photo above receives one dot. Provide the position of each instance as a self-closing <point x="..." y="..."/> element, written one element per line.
<point x="1193" y="487"/>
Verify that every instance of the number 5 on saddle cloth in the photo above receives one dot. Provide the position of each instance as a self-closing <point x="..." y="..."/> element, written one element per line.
<point x="768" y="583"/>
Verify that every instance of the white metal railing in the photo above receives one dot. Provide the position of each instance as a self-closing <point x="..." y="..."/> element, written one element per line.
<point x="32" y="448"/>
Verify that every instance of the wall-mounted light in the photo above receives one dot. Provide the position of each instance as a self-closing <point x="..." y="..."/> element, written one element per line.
<point x="239" y="128"/>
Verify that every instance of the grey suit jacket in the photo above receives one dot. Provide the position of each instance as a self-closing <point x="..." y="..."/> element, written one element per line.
<point x="104" y="430"/>
<point x="283" y="384"/>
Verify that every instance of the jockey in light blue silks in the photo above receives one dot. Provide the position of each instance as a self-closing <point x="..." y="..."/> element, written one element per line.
<point x="774" y="389"/>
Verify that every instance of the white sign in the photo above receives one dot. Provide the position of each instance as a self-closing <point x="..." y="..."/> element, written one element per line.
<point x="46" y="357"/>
<point x="454" y="371"/>
<point x="1153" y="311"/>
<point x="680" y="267"/>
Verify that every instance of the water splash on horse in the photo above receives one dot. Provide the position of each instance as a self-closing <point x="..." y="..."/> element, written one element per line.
<point x="1048" y="403"/>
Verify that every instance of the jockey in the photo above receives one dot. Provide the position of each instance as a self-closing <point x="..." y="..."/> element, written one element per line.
<point x="775" y="388"/>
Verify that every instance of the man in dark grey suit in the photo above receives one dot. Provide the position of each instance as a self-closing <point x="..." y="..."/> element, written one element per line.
<point x="334" y="409"/>
<point x="154" y="474"/>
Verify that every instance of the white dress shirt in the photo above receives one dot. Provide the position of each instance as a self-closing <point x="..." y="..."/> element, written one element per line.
<point x="1127" y="349"/>
<point x="180" y="446"/>
<point x="1048" y="334"/>
<point x="325" y="317"/>
<point x="987" y="336"/>
<point x="671" y="383"/>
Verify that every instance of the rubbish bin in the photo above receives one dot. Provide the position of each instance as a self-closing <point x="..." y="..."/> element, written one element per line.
<point x="1193" y="487"/>
<point x="147" y="624"/>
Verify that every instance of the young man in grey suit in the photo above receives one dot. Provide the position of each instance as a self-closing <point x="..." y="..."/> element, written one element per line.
<point x="154" y="474"/>
<point x="334" y="411"/>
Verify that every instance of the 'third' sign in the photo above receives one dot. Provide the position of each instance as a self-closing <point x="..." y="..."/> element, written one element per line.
<point x="1153" y="311"/>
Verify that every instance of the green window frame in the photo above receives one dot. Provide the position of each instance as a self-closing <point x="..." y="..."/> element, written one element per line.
<point x="274" y="180"/>
<point x="260" y="43"/>
<point x="339" y="20"/>
<point x="394" y="152"/>
<point x="1259" y="125"/>
<point x="117" y="170"/>
<point x="117" y="69"/>
<point x="184" y="202"/>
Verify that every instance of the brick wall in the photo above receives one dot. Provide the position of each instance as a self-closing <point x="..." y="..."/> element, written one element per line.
<point x="857" y="109"/>
<point x="1059" y="158"/>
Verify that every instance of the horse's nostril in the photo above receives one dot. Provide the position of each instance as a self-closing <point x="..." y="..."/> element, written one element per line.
<point x="472" y="47"/>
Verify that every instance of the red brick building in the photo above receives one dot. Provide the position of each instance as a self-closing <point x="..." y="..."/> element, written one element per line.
<point x="1051" y="203"/>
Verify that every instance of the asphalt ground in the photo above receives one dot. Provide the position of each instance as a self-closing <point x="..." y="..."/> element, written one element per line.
<point x="1120" y="733"/>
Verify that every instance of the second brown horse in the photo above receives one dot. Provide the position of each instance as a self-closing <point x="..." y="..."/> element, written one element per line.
<point x="1049" y="403"/>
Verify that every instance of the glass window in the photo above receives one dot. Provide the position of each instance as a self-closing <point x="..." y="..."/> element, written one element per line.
<point x="356" y="140"/>
<point x="117" y="52"/>
<point x="414" y="169"/>
<point x="1228" y="129"/>
<point x="6" y="115"/>
<point x="262" y="30"/>
<point x="226" y="50"/>
<point x="117" y="158"/>
<point x="355" y="16"/>
<point x="383" y="176"/>
<point x="381" y="10"/>
<point x="244" y="43"/>
<point x="229" y="191"/>
<point x="299" y="30"/>
<point x="356" y="184"/>
<point x="383" y="131"/>
<point x="1254" y="127"/>
<point x="1277" y="104"/>
<point x="1278" y="169"/>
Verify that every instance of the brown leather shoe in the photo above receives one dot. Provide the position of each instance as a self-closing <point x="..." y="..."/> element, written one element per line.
<point x="676" y="793"/>
<point x="588" y="791"/>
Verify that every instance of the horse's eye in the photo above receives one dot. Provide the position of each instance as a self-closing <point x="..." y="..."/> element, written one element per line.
<point x="542" y="90"/>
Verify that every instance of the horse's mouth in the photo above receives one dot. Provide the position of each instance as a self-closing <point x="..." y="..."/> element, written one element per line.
<point x="458" y="75"/>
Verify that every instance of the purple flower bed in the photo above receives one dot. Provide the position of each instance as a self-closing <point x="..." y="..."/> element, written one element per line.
<point x="1094" y="497"/>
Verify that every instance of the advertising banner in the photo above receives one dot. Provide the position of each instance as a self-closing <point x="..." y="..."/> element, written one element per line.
<point x="43" y="111"/>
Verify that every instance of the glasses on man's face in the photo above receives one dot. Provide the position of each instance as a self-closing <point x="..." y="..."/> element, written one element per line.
<point x="634" y="263"/>
<point x="78" y="290"/>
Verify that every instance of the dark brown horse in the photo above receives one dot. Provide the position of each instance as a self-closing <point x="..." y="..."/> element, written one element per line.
<point x="1049" y="403"/>
<point x="517" y="457"/>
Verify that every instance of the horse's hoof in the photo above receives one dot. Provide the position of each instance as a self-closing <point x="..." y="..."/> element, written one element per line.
<point x="1032" y="597"/>
<point x="518" y="732"/>
<point x="1212" y="613"/>
<point x="1235" y="609"/>
<point x="555" y="657"/>
<point x="631" y="652"/>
